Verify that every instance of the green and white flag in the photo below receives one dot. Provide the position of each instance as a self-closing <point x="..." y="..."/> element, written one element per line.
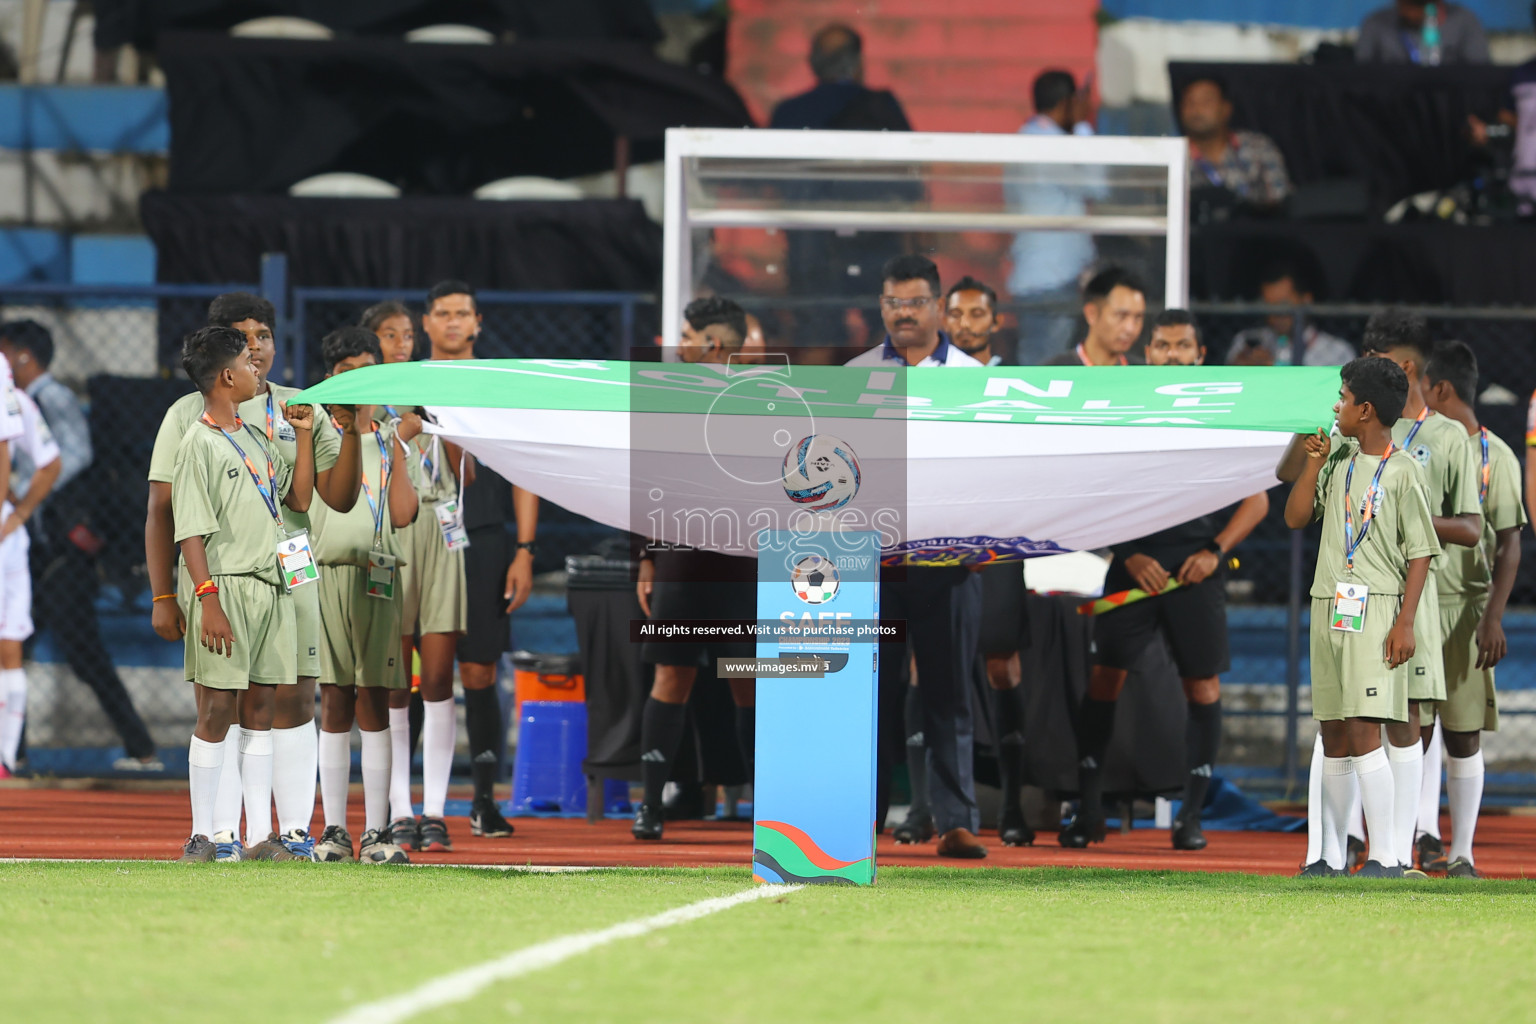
<point x="949" y="464"/>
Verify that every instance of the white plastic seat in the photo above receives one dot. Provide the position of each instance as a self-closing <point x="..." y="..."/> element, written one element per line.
<point x="281" y="27"/>
<point x="344" y="185"/>
<point x="449" y="34"/>
<point x="529" y="187"/>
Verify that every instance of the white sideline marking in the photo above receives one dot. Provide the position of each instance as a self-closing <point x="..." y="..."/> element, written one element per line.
<point x="471" y="981"/>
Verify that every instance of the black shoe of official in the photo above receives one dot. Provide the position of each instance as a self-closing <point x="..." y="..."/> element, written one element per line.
<point x="1187" y="834"/>
<point x="1431" y="853"/>
<point x="486" y="820"/>
<point x="1319" y="869"/>
<point x="1354" y="855"/>
<point x="647" y="823"/>
<point x="1081" y="831"/>
<point x="917" y="828"/>
<point x="1013" y="830"/>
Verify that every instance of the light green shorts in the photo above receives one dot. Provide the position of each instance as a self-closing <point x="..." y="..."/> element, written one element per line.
<point x="1350" y="677"/>
<point x="261" y="618"/>
<point x="306" y="620"/>
<point x="1471" y="704"/>
<point x="432" y="579"/>
<point x="1425" y="670"/>
<point x="360" y="635"/>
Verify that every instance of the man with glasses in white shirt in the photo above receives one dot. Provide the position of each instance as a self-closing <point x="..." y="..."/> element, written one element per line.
<point x="940" y="604"/>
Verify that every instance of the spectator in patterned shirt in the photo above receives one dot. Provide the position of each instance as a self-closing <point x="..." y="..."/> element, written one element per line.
<point x="1246" y="164"/>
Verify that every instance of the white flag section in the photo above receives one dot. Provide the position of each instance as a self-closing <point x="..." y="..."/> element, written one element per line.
<point x="942" y="492"/>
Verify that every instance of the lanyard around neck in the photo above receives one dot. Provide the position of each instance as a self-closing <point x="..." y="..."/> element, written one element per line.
<point x="267" y="488"/>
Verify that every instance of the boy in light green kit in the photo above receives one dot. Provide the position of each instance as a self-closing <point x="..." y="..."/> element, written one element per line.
<point x="1439" y="446"/>
<point x="293" y="732"/>
<point x="1372" y="564"/>
<point x="1474" y="588"/>
<point x="360" y="603"/>
<point x="226" y="490"/>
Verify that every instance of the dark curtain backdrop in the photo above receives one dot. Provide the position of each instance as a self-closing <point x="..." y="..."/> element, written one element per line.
<point x="432" y="118"/>
<point x="1402" y="129"/>
<point x="1425" y="263"/>
<point x="139" y="22"/>
<point x="589" y="245"/>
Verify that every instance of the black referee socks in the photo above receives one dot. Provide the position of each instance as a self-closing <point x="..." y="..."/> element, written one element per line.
<point x="1202" y="739"/>
<point x="482" y="721"/>
<point x="661" y="730"/>
<point x="1008" y="718"/>
<point x="746" y="736"/>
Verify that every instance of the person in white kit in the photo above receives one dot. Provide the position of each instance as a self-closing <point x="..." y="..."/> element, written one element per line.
<point x="26" y="441"/>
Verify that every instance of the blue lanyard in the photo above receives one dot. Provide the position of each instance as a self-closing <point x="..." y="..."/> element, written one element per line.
<point x="1413" y="431"/>
<point x="265" y="489"/>
<point x="1372" y="499"/>
<point x="1482" y="480"/>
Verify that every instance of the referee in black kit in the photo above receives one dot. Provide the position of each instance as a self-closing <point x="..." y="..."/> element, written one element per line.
<point x="1193" y="619"/>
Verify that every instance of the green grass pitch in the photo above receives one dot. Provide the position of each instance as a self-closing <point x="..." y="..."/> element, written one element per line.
<point x="261" y="942"/>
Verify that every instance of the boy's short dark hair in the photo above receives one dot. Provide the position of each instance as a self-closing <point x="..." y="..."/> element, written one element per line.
<point x="1107" y="280"/>
<point x="349" y="341"/>
<point x="1454" y="362"/>
<point x="233" y="307"/>
<point x="1051" y="89"/>
<point x="1380" y="382"/>
<point x="711" y="310"/>
<point x="443" y="289"/>
<point x="912" y="267"/>
<point x="1178" y="318"/>
<point x="30" y="336"/>
<point x="1388" y="329"/>
<point x="208" y="351"/>
<point x="1220" y="83"/>
<point x="970" y="284"/>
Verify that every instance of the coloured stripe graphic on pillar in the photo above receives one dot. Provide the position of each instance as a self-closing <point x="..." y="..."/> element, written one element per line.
<point x="814" y="791"/>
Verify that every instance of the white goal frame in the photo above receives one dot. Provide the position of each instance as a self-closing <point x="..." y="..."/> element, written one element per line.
<point x="1170" y="154"/>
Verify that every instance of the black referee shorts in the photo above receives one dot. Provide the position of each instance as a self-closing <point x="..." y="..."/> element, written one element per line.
<point x="700" y="599"/>
<point x="489" y="632"/>
<point x="1194" y="619"/>
<point x="1004" y="623"/>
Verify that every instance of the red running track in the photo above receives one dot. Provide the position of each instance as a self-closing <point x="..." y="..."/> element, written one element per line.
<point x="152" y="823"/>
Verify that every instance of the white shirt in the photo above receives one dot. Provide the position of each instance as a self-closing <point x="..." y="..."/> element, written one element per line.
<point x="886" y="354"/>
<point x="11" y="426"/>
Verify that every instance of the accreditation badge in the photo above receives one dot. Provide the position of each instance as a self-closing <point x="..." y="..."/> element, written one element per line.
<point x="381" y="575"/>
<point x="296" y="560"/>
<point x="451" y="521"/>
<point x="1349" y="607"/>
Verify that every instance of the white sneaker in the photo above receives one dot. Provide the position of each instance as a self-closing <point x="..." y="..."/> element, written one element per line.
<point x="376" y="848"/>
<point x="133" y="764"/>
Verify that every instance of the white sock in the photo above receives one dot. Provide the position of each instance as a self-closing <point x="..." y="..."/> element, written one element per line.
<point x="376" y="779"/>
<point x="294" y="760"/>
<point x="438" y="732"/>
<point x="1378" y="801"/>
<point x="1336" y="774"/>
<point x="13" y="682"/>
<point x="1315" y="804"/>
<point x="400" y="763"/>
<point x="1355" y="823"/>
<point x="1464" y="788"/>
<point x="256" y="782"/>
<point x="1407" y="783"/>
<point x="226" y="804"/>
<point x="335" y="773"/>
<point x="1429" y="792"/>
<point x="205" y="762"/>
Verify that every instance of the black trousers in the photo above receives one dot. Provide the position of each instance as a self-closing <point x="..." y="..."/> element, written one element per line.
<point x="64" y="589"/>
<point x="942" y="610"/>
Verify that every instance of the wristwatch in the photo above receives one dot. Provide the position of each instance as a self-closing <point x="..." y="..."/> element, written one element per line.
<point x="1214" y="547"/>
<point x="529" y="546"/>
